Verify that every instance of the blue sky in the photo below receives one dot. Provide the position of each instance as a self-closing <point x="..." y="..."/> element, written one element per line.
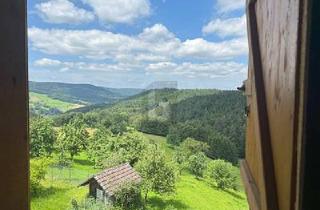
<point x="131" y="43"/>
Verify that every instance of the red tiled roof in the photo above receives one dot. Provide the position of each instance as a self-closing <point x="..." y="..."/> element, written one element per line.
<point x="111" y="179"/>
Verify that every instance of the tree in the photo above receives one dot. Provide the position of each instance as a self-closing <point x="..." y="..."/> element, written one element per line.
<point x="107" y="151"/>
<point x="178" y="132"/>
<point x="128" y="196"/>
<point x="113" y="159"/>
<point x="181" y="159"/>
<point x="222" y="148"/>
<point x="156" y="126"/>
<point x="158" y="174"/>
<point x="98" y="146"/>
<point x="191" y="146"/>
<point x="198" y="164"/>
<point x="116" y="122"/>
<point x="223" y="173"/>
<point x="186" y="149"/>
<point x="130" y="146"/>
<point x="42" y="137"/>
<point x="72" y="138"/>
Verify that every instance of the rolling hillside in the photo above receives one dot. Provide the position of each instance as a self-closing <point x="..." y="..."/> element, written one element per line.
<point x="85" y="94"/>
<point x="41" y="104"/>
<point x="212" y="116"/>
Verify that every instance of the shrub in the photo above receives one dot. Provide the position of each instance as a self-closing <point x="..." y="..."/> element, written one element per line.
<point x="128" y="196"/>
<point x="38" y="171"/>
<point x="197" y="164"/>
<point x="223" y="173"/>
<point x="90" y="204"/>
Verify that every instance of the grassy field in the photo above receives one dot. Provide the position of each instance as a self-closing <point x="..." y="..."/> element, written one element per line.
<point x="199" y="194"/>
<point x="195" y="193"/>
<point x="47" y="102"/>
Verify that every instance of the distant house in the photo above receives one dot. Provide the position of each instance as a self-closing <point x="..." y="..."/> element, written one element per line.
<point x="104" y="185"/>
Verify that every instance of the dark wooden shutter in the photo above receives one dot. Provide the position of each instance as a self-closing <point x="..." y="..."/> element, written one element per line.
<point x="273" y="91"/>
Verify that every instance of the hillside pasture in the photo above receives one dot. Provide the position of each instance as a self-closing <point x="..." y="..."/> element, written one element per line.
<point x="43" y="102"/>
<point x="61" y="186"/>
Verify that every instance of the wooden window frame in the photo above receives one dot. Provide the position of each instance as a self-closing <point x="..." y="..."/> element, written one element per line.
<point x="14" y="151"/>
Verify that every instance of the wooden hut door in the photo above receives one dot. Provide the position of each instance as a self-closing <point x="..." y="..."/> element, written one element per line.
<point x="269" y="169"/>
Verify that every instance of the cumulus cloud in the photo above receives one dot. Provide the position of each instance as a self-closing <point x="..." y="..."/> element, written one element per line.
<point x="211" y="70"/>
<point x="120" y="11"/>
<point x="155" y="43"/>
<point x="46" y="62"/>
<point x="185" y="69"/>
<point x="202" y="49"/>
<point x="155" y="52"/>
<point x="230" y="27"/>
<point x="224" y="6"/>
<point x="63" y="11"/>
<point x="62" y="66"/>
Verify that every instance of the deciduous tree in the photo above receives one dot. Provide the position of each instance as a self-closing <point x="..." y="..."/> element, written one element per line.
<point x="42" y="137"/>
<point x="198" y="164"/>
<point x="72" y="138"/>
<point x="158" y="174"/>
<point x="223" y="173"/>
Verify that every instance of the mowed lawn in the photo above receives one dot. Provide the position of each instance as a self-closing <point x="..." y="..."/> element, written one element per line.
<point x="61" y="186"/>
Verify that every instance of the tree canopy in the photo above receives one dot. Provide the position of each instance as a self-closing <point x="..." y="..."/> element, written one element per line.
<point x="158" y="174"/>
<point x="42" y="137"/>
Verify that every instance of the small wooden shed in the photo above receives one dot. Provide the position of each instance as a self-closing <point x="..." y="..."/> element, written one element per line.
<point x="104" y="185"/>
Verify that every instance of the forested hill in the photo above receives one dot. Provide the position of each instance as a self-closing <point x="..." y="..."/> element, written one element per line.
<point x="81" y="93"/>
<point x="212" y="116"/>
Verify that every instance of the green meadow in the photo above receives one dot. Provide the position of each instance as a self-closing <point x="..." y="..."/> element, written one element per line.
<point x="42" y="101"/>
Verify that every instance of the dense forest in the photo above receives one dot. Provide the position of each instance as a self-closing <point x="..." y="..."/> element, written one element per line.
<point x="212" y="116"/>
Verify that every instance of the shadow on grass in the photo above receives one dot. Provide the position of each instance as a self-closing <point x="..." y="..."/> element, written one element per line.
<point x="83" y="162"/>
<point x="43" y="192"/>
<point x="234" y="194"/>
<point x="158" y="203"/>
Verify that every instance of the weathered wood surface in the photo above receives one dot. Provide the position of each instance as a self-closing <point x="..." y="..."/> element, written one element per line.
<point x="13" y="106"/>
<point x="251" y="188"/>
<point x="279" y="35"/>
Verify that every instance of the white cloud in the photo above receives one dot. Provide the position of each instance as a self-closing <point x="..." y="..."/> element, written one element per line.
<point x="120" y="11"/>
<point x="156" y="43"/>
<point x="47" y="63"/>
<point x="185" y="69"/>
<point x="158" y="33"/>
<point x="227" y="27"/>
<point x="63" y="11"/>
<point x="212" y="70"/>
<point x="202" y="49"/>
<point x="224" y="6"/>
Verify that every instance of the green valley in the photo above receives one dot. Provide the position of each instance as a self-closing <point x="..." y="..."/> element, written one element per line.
<point x="185" y="144"/>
